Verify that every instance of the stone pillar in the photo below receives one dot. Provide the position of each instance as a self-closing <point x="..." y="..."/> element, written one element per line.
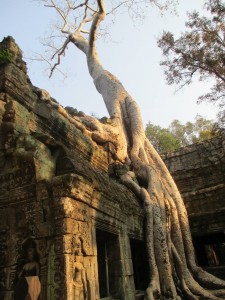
<point x="127" y="280"/>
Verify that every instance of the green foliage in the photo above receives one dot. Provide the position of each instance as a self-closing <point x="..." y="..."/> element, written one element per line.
<point x="199" y="51"/>
<point x="179" y="135"/>
<point x="5" y="56"/>
<point x="161" y="138"/>
<point x="190" y="133"/>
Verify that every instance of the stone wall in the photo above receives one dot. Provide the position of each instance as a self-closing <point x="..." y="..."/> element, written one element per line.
<point x="199" y="172"/>
<point x="64" y="218"/>
<point x="65" y="224"/>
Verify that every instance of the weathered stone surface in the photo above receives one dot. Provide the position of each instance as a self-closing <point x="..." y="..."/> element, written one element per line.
<point x="59" y="194"/>
<point x="56" y="194"/>
<point x="199" y="172"/>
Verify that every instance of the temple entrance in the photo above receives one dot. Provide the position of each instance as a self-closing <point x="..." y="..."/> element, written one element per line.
<point x="210" y="249"/>
<point x="210" y="253"/>
<point x="109" y="264"/>
<point x="140" y="264"/>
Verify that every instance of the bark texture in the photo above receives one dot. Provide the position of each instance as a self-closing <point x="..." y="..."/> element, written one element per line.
<point x="173" y="270"/>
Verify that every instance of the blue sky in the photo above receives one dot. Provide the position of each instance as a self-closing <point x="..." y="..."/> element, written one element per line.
<point x="131" y="54"/>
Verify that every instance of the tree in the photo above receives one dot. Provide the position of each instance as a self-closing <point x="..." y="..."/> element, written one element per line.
<point x="190" y="133"/>
<point x="199" y="51"/>
<point x="178" y="130"/>
<point x="179" y="135"/>
<point x="174" y="273"/>
<point x="203" y="129"/>
<point x="161" y="138"/>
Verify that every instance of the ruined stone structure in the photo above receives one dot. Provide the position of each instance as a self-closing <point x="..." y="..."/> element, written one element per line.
<point x="68" y="228"/>
<point x="63" y="219"/>
<point x="199" y="172"/>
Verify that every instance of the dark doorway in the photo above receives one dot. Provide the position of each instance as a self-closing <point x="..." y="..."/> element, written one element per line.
<point x="210" y="249"/>
<point x="140" y="264"/>
<point x="109" y="264"/>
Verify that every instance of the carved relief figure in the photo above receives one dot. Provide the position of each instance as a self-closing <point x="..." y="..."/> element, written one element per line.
<point x="28" y="286"/>
<point x="79" y="275"/>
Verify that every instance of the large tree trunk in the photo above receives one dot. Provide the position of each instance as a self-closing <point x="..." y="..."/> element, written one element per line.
<point x="174" y="274"/>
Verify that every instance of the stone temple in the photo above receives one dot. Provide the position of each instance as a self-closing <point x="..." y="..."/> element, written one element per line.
<point x="65" y="219"/>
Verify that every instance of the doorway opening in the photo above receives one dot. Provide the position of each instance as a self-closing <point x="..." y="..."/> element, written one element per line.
<point x="210" y="249"/>
<point x="109" y="264"/>
<point x="140" y="264"/>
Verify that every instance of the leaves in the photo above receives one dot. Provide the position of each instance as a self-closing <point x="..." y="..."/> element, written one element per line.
<point x="5" y="56"/>
<point x="200" y="51"/>
<point x="179" y="135"/>
<point x="161" y="138"/>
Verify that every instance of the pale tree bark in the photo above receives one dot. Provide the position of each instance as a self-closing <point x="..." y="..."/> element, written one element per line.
<point x="173" y="270"/>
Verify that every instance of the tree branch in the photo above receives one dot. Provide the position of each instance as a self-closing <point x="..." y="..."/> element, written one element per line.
<point x="97" y="20"/>
<point x="116" y="7"/>
<point x="59" y="53"/>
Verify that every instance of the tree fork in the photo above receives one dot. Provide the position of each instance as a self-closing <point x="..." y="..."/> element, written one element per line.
<point x="174" y="274"/>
